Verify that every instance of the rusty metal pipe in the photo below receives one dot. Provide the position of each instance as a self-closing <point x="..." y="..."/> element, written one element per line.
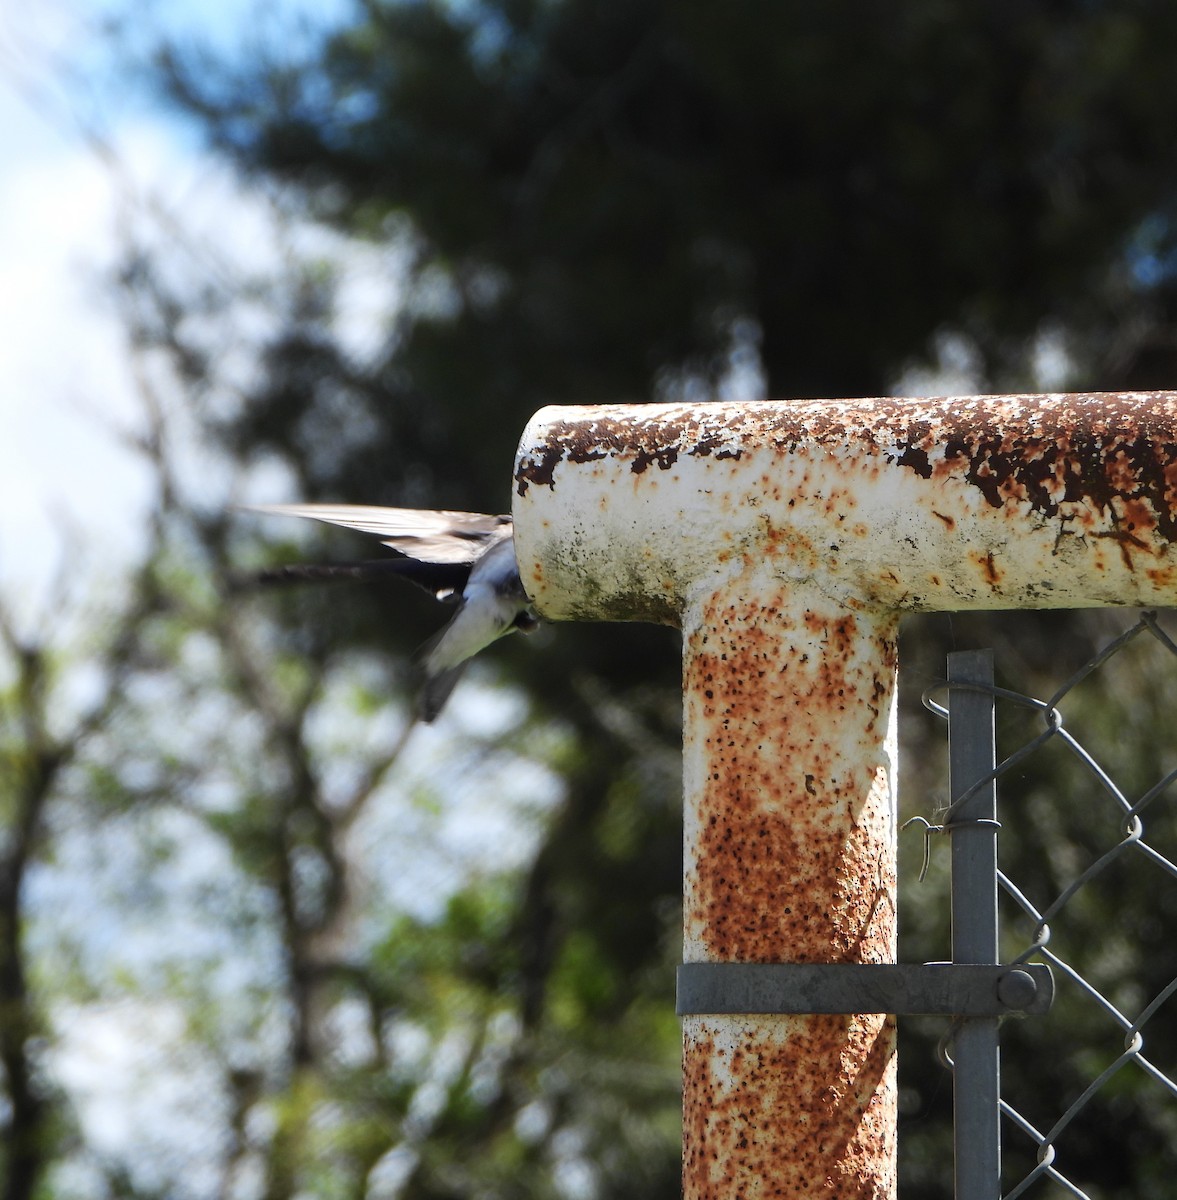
<point x="785" y="538"/>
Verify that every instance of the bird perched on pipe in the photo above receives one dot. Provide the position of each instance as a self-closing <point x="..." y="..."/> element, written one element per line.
<point x="463" y="558"/>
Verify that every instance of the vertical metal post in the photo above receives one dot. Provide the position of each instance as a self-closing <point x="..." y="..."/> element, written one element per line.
<point x="976" y="1077"/>
<point x="789" y="856"/>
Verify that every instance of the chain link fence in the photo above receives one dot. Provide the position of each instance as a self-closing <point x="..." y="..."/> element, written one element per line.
<point x="1086" y="882"/>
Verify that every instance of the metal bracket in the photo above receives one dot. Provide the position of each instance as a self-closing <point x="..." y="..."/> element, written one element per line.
<point x="906" y="989"/>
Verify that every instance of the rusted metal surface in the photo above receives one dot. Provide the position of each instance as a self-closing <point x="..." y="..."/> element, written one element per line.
<point x="789" y="857"/>
<point x="786" y="779"/>
<point x="785" y="538"/>
<point x="929" y="504"/>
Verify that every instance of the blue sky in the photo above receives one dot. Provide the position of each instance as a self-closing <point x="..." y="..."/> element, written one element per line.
<point x="64" y="378"/>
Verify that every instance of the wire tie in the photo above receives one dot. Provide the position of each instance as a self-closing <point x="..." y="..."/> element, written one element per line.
<point x="929" y="829"/>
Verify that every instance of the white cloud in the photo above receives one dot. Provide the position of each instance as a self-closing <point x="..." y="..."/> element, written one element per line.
<point x="66" y="380"/>
<point x="63" y="371"/>
<point x="137" y="1081"/>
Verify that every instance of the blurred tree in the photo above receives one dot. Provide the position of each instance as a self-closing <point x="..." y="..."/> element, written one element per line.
<point x="56" y="702"/>
<point x="581" y="202"/>
<point x="604" y="199"/>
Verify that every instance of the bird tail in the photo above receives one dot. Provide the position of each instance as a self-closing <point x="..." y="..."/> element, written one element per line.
<point x="436" y="675"/>
<point x="435" y="691"/>
<point x="443" y="581"/>
<point x="323" y="572"/>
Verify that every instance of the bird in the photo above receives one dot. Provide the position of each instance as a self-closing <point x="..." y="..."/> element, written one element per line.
<point x="460" y="557"/>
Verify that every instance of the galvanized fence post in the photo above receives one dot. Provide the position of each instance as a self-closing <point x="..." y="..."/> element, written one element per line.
<point x="972" y="757"/>
<point x="785" y="538"/>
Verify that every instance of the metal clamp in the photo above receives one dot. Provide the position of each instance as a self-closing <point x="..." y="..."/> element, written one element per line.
<point x="905" y="989"/>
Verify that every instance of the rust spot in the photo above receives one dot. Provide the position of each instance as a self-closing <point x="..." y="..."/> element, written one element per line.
<point x="664" y="456"/>
<point x="950" y="522"/>
<point x="989" y="569"/>
<point x="914" y="454"/>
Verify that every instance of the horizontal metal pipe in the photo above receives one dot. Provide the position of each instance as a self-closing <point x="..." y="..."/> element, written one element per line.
<point x="917" y="504"/>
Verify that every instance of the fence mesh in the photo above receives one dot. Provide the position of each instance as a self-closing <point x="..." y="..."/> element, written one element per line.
<point x="1088" y="879"/>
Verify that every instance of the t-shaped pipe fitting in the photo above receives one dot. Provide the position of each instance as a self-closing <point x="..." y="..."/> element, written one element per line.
<point x="785" y="538"/>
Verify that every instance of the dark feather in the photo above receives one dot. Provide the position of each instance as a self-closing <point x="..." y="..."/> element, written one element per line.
<point x="442" y="580"/>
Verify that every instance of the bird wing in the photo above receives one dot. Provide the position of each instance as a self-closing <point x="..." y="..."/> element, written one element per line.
<point x="428" y="535"/>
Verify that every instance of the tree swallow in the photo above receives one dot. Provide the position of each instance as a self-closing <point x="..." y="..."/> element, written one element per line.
<point x="464" y="557"/>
